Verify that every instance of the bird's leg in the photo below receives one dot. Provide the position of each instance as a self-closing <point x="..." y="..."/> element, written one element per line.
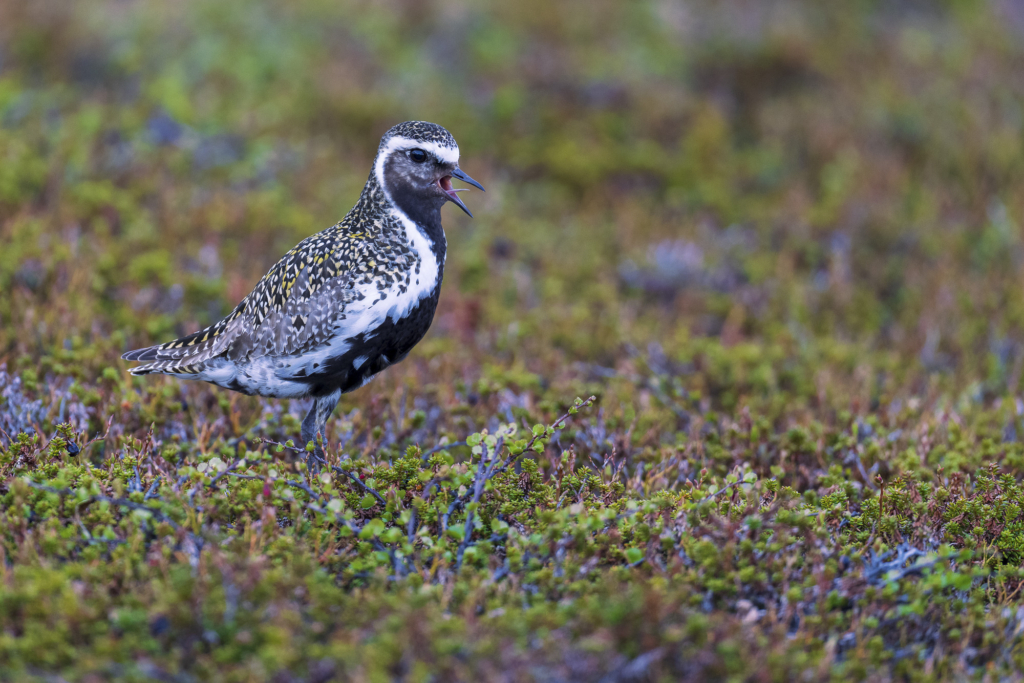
<point x="315" y="424"/>
<point x="309" y="426"/>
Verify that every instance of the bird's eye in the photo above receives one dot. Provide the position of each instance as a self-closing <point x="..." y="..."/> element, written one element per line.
<point x="418" y="155"/>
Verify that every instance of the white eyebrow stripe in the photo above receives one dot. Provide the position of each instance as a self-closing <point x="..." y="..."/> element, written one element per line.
<point x="448" y="155"/>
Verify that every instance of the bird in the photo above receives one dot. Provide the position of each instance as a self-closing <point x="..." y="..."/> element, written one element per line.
<point x="343" y="304"/>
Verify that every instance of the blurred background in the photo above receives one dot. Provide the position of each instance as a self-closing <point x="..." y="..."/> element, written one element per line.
<point x="792" y="208"/>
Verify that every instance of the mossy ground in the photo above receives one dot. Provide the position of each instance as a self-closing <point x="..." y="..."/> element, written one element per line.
<point x="778" y="243"/>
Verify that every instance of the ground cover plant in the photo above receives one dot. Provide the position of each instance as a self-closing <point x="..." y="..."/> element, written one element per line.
<point x="724" y="383"/>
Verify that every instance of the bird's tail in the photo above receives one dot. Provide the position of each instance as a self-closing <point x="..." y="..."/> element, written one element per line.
<point x="187" y="355"/>
<point x="182" y="365"/>
<point x="166" y="367"/>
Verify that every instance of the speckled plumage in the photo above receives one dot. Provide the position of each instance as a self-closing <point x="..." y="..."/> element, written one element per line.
<point x="344" y="303"/>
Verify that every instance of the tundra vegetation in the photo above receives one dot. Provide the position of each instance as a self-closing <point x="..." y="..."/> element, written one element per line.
<point x="725" y="382"/>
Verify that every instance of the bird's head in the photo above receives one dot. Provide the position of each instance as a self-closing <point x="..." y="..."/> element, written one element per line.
<point x="416" y="163"/>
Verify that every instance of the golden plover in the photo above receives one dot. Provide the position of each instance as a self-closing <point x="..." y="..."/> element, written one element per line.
<point x="346" y="302"/>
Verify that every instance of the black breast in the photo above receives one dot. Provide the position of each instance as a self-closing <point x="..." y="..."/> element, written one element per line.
<point x="375" y="349"/>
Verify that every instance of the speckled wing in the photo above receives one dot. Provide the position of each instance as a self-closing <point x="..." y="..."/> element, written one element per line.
<point x="292" y="309"/>
<point x="298" y="304"/>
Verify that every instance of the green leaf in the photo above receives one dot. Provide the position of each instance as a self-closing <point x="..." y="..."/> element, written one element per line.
<point x="372" y="528"/>
<point x="634" y="555"/>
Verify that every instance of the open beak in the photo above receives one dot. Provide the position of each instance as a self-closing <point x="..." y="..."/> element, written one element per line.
<point x="446" y="187"/>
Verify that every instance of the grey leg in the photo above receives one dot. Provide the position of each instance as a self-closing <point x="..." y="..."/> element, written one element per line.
<point x="315" y="423"/>
<point x="309" y="428"/>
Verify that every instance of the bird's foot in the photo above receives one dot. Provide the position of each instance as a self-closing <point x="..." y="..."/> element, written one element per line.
<point x="316" y="458"/>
